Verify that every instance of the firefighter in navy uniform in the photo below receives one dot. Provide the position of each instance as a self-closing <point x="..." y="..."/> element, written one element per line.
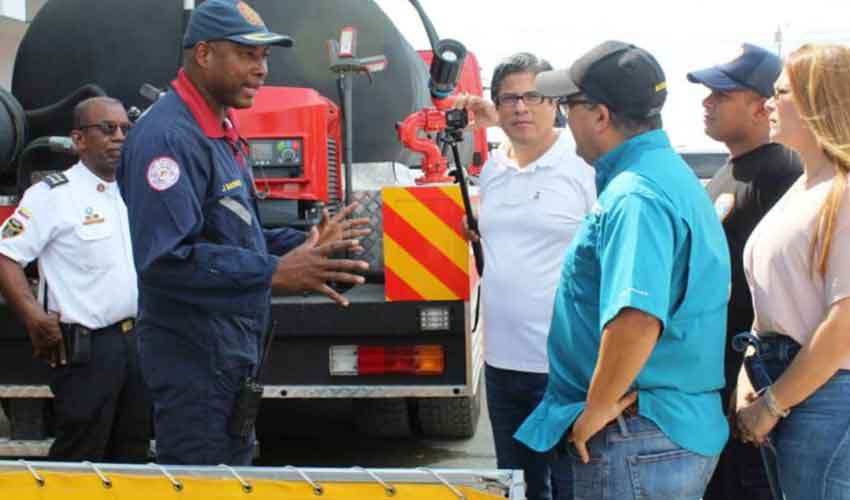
<point x="75" y="224"/>
<point x="756" y="175"/>
<point x="206" y="265"/>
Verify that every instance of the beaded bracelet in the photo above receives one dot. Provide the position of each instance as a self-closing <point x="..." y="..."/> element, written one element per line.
<point x="773" y="406"/>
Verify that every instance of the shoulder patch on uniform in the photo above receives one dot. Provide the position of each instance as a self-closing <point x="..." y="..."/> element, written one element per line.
<point x="723" y="205"/>
<point x="55" y="179"/>
<point x="13" y="227"/>
<point x="162" y="173"/>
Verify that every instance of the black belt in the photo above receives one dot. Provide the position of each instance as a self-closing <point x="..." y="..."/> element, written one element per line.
<point x="123" y="326"/>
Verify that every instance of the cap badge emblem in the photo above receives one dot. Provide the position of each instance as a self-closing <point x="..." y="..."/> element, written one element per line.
<point x="250" y="15"/>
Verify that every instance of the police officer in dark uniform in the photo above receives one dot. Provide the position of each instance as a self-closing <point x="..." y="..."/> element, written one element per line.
<point x="206" y="266"/>
<point x="756" y="175"/>
<point x="75" y="223"/>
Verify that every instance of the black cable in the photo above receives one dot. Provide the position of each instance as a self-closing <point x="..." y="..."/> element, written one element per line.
<point x="471" y="221"/>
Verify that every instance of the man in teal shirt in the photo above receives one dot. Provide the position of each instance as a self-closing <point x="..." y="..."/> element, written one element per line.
<point x="637" y="337"/>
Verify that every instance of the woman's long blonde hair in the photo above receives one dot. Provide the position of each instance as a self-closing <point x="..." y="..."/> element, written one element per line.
<point x="819" y="76"/>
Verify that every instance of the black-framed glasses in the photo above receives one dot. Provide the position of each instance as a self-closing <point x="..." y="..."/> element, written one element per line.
<point x="566" y="103"/>
<point x="530" y="98"/>
<point x="109" y="127"/>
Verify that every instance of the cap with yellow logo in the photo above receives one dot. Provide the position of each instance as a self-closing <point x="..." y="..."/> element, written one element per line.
<point x="625" y="78"/>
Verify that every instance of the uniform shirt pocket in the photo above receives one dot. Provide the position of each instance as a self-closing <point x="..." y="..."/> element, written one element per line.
<point x="229" y="221"/>
<point x="93" y="248"/>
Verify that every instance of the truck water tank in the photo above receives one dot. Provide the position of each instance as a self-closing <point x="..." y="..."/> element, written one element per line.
<point x="120" y="45"/>
<point x="12" y="130"/>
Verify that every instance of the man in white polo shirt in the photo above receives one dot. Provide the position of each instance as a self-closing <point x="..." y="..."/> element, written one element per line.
<point x="534" y="193"/>
<point x="81" y="323"/>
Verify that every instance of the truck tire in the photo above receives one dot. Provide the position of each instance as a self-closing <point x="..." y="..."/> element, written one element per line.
<point x="383" y="417"/>
<point x="449" y="417"/>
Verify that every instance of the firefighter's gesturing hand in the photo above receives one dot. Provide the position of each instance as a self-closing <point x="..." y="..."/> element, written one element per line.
<point x="483" y="113"/>
<point x="43" y="329"/>
<point x="310" y="268"/>
<point x="338" y="227"/>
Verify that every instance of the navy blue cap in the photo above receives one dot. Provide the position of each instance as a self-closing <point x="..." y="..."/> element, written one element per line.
<point x="232" y="20"/>
<point x="755" y="69"/>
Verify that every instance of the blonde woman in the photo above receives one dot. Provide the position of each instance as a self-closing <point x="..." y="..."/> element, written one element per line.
<point x="798" y="267"/>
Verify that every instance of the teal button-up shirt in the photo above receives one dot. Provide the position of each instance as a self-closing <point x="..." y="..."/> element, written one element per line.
<point x="652" y="242"/>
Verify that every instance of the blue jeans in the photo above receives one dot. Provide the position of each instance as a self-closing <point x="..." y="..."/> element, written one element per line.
<point x="511" y="396"/>
<point x="632" y="459"/>
<point x="808" y="455"/>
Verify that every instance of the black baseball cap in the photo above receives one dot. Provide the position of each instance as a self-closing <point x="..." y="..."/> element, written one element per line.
<point x="625" y="78"/>
<point x="232" y="20"/>
<point x="754" y="69"/>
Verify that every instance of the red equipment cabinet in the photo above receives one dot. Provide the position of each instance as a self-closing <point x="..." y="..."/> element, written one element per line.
<point x="294" y="138"/>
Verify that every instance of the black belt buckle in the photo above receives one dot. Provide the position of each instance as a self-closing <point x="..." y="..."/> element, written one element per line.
<point x="245" y="410"/>
<point x="77" y="339"/>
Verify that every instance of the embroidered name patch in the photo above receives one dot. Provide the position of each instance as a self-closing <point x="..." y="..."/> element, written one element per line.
<point x="230" y="186"/>
<point x="163" y="172"/>
<point x="92" y="217"/>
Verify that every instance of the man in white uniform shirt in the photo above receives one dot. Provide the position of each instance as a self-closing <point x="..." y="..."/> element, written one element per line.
<point x="534" y="193"/>
<point x="81" y="323"/>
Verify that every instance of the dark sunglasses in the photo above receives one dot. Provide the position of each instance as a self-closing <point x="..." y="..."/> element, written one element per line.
<point x="108" y="127"/>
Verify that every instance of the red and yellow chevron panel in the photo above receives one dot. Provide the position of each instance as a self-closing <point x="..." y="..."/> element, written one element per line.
<point x="426" y="256"/>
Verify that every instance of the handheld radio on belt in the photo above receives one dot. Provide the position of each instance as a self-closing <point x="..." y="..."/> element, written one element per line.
<point x="77" y="339"/>
<point x="247" y="406"/>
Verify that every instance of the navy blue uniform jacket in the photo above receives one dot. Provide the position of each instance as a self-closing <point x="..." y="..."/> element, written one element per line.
<point x="203" y="259"/>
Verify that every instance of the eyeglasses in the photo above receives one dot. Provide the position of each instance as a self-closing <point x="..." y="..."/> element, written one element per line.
<point x="108" y="127"/>
<point x="566" y="103"/>
<point x="530" y="98"/>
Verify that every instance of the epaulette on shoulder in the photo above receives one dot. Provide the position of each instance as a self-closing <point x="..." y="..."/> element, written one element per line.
<point x="56" y="179"/>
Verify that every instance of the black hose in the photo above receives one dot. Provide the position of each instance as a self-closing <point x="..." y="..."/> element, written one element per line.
<point x="39" y="118"/>
<point x="471" y="221"/>
<point x="426" y="22"/>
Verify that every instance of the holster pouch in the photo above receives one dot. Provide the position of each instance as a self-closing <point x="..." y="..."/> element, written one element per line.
<point x="757" y="372"/>
<point x="245" y="410"/>
<point x="774" y="352"/>
<point x="77" y="339"/>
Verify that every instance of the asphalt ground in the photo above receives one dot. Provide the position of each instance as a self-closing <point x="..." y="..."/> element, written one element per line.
<point x="322" y="434"/>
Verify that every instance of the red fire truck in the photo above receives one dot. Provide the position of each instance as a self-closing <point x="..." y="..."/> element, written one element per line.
<point x="404" y="353"/>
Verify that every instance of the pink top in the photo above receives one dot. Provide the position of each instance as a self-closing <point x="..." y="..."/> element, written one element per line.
<point x="787" y="297"/>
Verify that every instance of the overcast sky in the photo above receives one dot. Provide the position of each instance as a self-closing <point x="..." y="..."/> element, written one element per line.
<point x="684" y="35"/>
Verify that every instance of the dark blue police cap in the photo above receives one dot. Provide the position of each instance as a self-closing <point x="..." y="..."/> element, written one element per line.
<point x="232" y="20"/>
<point x="755" y="69"/>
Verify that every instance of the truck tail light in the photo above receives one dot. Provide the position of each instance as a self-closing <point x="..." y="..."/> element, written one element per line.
<point x="387" y="360"/>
